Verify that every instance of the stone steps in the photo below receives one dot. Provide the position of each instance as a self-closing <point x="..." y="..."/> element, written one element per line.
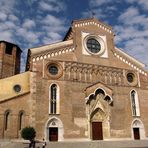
<point x="71" y="144"/>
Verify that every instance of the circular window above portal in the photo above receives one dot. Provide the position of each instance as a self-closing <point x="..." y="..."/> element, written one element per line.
<point x="17" y="88"/>
<point x="131" y="78"/>
<point x="94" y="45"/>
<point x="54" y="70"/>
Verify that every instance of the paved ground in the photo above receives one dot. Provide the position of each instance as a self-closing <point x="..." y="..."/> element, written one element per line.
<point x="71" y="144"/>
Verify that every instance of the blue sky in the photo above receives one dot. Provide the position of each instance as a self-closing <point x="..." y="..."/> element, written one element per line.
<point x="32" y="23"/>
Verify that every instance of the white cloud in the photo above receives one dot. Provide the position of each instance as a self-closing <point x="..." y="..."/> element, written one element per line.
<point x="28" y="23"/>
<point x="143" y="3"/>
<point x="3" y="16"/>
<point x="132" y="34"/>
<point x="6" y="35"/>
<point x="28" y="36"/>
<point x="52" y="5"/>
<point x="8" y="26"/>
<point x="129" y="13"/>
<point x="96" y="3"/>
<point x="13" y="18"/>
<point x="98" y="13"/>
<point x="54" y="24"/>
<point x="32" y="26"/>
<point x="51" y="20"/>
<point x="7" y="5"/>
<point x="101" y="8"/>
<point x="54" y="35"/>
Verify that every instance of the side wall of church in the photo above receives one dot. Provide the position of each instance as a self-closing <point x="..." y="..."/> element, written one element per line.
<point x="14" y="107"/>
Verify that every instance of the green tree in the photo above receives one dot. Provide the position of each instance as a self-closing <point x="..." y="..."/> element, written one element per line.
<point x="28" y="133"/>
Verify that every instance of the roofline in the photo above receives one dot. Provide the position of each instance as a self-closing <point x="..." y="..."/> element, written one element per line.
<point x="130" y="57"/>
<point x="50" y="46"/>
<point x="1" y="41"/>
<point x="67" y="33"/>
<point x="90" y="19"/>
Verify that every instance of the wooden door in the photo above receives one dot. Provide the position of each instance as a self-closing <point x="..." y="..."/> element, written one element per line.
<point x="53" y="134"/>
<point x="97" y="133"/>
<point x="136" y="133"/>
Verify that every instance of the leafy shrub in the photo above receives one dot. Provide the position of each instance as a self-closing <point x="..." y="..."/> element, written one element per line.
<point x="28" y="133"/>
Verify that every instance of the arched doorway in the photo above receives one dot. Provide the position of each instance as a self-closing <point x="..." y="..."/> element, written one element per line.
<point x="138" y="130"/>
<point x="97" y="121"/>
<point x="98" y="111"/>
<point x="54" y="129"/>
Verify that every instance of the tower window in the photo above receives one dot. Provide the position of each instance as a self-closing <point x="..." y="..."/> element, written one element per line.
<point x="9" y="49"/>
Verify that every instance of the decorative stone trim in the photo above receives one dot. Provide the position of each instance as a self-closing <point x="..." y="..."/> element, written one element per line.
<point x="89" y="73"/>
<point x="95" y="24"/>
<point x="53" y="54"/>
<point x="131" y="64"/>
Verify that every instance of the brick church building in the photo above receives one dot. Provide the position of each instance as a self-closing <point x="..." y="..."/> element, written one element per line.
<point x="83" y="87"/>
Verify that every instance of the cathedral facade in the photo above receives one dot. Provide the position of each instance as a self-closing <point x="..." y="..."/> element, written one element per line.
<point x="83" y="87"/>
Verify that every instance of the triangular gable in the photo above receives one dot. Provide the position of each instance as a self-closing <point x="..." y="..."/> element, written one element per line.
<point x="85" y="23"/>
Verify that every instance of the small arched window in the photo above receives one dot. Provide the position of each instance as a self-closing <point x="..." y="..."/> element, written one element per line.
<point x="53" y="99"/>
<point x="6" y="120"/>
<point x="20" y="121"/>
<point x="135" y="103"/>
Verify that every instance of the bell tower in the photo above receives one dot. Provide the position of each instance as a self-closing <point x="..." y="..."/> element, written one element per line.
<point x="10" y="56"/>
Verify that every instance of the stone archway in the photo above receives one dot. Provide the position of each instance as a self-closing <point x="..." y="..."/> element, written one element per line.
<point x="98" y="105"/>
<point x="138" y="131"/>
<point x="96" y="123"/>
<point x="99" y="125"/>
<point x="54" y="130"/>
<point x="99" y="114"/>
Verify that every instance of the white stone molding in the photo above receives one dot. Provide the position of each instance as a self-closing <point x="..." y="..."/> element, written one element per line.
<point x="101" y="39"/>
<point x="105" y="95"/>
<point x="130" y="61"/>
<point x="54" y="53"/>
<point x="98" y="24"/>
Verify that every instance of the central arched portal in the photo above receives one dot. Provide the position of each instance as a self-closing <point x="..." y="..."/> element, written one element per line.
<point x="98" y="112"/>
<point x="97" y="124"/>
<point x="54" y="130"/>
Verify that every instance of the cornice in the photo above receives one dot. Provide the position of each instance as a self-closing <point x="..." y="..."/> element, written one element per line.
<point x="129" y="60"/>
<point x="52" y="53"/>
<point x="93" y="22"/>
